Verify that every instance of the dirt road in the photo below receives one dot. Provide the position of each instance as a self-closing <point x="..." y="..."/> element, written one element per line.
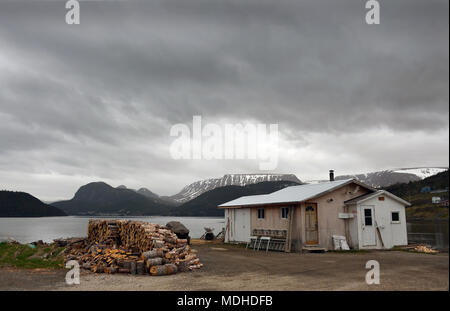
<point x="234" y="268"/>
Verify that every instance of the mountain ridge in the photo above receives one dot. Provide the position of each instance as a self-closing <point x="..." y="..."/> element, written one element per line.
<point x="385" y="178"/>
<point x="22" y="204"/>
<point x="99" y="198"/>
<point x="199" y="187"/>
<point x="206" y="203"/>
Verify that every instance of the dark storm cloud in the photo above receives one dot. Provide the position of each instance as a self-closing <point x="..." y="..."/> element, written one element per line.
<point x="108" y="90"/>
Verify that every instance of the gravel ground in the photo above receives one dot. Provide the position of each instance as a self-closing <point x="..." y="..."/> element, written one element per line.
<point x="229" y="267"/>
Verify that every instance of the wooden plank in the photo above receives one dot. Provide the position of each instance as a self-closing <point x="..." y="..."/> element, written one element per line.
<point x="287" y="248"/>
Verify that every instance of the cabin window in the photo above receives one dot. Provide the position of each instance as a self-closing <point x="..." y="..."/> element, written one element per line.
<point x="260" y="213"/>
<point x="368" y="216"/>
<point x="284" y="212"/>
<point x="395" y="217"/>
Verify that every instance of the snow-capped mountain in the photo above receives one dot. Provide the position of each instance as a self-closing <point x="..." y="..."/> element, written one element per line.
<point x="390" y="177"/>
<point x="422" y="172"/>
<point x="199" y="187"/>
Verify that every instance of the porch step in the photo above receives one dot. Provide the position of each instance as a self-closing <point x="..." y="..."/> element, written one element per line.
<point x="313" y="249"/>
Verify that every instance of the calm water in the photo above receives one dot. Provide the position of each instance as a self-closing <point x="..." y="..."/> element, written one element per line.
<point x="26" y="230"/>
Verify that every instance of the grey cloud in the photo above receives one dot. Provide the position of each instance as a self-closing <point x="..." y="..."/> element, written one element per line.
<point x="98" y="99"/>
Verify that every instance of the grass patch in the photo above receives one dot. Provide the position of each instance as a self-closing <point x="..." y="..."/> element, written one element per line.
<point x="423" y="209"/>
<point x="23" y="256"/>
<point x="427" y="212"/>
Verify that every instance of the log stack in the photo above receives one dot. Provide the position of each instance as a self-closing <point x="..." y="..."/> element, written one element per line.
<point x="136" y="247"/>
<point x="103" y="231"/>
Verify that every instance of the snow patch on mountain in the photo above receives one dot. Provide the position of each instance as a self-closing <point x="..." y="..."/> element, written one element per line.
<point x="422" y="172"/>
<point x="389" y="177"/>
<point x="199" y="187"/>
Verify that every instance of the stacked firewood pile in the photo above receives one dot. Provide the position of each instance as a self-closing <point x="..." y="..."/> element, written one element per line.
<point x="425" y="249"/>
<point x="122" y="246"/>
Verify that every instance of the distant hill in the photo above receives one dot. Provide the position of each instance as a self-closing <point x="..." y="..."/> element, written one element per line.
<point x="381" y="179"/>
<point x="163" y="200"/>
<point x="206" y="203"/>
<point x="22" y="204"/>
<point x="422" y="207"/>
<point x="147" y="193"/>
<point x="197" y="188"/>
<point x="436" y="182"/>
<point x="99" y="198"/>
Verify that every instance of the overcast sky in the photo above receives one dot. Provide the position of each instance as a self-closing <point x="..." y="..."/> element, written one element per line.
<point x="96" y="101"/>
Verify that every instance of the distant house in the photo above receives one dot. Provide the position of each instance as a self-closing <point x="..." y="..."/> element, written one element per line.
<point x="310" y="214"/>
<point x="436" y="200"/>
<point x="425" y="189"/>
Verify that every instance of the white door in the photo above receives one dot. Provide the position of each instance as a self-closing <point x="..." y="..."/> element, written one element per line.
<point x="368" y="225"/>
<point x="242" y="224"/>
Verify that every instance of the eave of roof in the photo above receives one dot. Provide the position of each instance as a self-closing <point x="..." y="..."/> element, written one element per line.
<point x="369" y="196"/>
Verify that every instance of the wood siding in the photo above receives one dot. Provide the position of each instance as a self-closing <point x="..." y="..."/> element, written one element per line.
<point x="328" y="208"/>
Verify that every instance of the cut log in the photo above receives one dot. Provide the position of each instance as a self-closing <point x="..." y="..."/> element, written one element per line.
<point x="195" y="266"/>
<point x="133" y="267"/>
<point x="110" y="270"/>
<point x="163" y="269"/>
<point x="190" y="257"/>
<point x="140" y="267"/>
<point x="153" y="262"/>
<point x="194" y="262"/>
<point x="127" y="265"/>
<point x="183" y="266"/>
<point x="158" y="244"/>
<point x="152" y="254"/>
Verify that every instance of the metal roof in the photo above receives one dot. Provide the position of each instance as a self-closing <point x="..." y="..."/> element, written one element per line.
<point x="292" y="194"/>
<point x="368" y="196"/>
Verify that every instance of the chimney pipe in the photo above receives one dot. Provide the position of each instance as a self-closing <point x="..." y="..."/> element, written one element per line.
<point x="331" y="175"/>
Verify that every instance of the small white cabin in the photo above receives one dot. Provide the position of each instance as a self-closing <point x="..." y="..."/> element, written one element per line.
<point x="379" y="222"/>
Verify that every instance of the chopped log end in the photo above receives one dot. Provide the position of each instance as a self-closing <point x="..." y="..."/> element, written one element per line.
<point x="166" y="269"/>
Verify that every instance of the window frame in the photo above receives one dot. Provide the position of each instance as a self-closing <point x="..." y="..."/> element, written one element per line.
<point x="365" y="216"/>
<point x="287" y="212"/>
<point x="395" y="221"/>
<point x="260" y="211"/>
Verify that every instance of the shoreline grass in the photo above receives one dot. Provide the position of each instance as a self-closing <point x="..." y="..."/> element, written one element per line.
<point x="26" y="257"/>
